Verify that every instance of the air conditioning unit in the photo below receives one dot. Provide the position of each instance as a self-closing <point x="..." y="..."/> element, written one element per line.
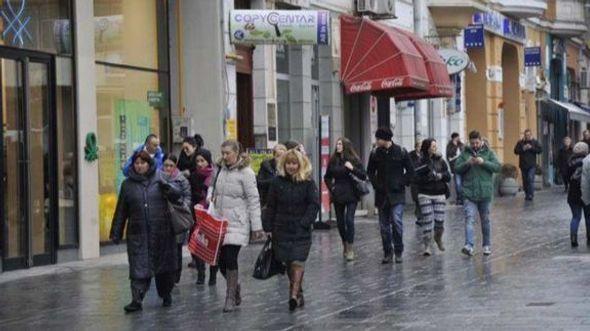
<point x="380" y="8"/>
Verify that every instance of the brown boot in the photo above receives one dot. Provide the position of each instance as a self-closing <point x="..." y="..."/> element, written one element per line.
<point x="230" y="294"/>
<point x="438" y="233"/>
<point x="295" y="295"/>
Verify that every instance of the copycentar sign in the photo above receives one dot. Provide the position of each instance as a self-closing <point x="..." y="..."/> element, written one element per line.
<point x="296" y="27"/>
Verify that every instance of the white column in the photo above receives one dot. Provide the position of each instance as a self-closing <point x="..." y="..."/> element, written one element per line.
<point x="87" y="122"/>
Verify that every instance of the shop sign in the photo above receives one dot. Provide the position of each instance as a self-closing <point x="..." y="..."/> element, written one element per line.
<point x="456" y="60"/>
<point x="501" y="25"/>
<point x="155" y="99"/>
<point x="494" y="74"/>
<point x="294" y="27"/>
<point x="325" y="158"/>
<point x="473" y="36"/>
<point x="532" y="56"/>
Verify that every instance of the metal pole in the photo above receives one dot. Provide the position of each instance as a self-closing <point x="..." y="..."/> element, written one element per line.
<point x="420" y="105"/>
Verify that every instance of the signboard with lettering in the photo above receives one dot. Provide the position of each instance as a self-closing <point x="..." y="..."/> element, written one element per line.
<point x="501" y="25"/>
<point x="532" y="56"/>
<point x="156" y="99"/>
<point x="295" y="27"/>
<point x="474" y="36"/>
<point x="456" y="60"/>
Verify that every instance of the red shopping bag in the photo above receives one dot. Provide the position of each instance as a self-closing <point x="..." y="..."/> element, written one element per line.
<point x="207" y="238"/>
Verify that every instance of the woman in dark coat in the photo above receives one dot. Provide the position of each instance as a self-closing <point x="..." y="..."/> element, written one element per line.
<point x="268" y="171"/>
<point x="574" y="195"/>
<point x="151" y="243"/>
<point x="292" y="207"/>
<point x="186" y="161"/>
<point x="431" y="176"/>
<point x="344" y="164"/>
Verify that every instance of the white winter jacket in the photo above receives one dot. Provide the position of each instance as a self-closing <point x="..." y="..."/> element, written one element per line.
<point x="235" y="197"/>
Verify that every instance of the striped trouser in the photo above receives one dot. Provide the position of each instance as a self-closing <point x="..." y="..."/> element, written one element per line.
<point x="432" y="208"/>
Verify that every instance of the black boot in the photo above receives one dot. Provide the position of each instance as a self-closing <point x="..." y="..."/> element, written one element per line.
<point x="574" y="240"/>
<point x="167" y="301"/>
<point x="200" y="272"/>
<point x="136" y="298"/>
<point x="133" y="307"/>
<point x="212" y="276"/>
<point x="230" y="295"/>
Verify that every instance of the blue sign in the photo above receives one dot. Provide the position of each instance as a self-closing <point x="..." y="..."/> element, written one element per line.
<point x="323" y="27"/>
<point x="532" y="56"/>
<point x="473" y="36"/>
<point x="15" y="22"/>
<point x="501" y="25"/>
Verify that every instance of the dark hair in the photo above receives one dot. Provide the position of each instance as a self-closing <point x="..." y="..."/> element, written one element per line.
<point x="454" y="135"/>
<point x="206" y="154"/>
<point x="527" y="130"/>
<point x="348" y="152"/>
<point x="150" y="137"/>
<point x="190" y="140"/>
<point x="171" y="157"/>
<point x="426" y="143"/>
<point x="144" y="156"/>
<point x="291" y="144"/>
<point x="199" y="142"/>
<point x="474" y="135"/>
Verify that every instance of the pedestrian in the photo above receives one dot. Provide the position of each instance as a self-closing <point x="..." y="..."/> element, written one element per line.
<point x="477" y="166"/>
<point x="344" y="169"/>
<point x="186" y="160"/>
<point x="293" y="205"/>
<point x="415" y="156"/>
<point x="293" y="144"/>
<point x="390" y="171"/>
<point x="172" y="176"/>
<point x="235" y="197"/>
<point x="268" y="171"/>
<point x="454" y="149"/>
<point x="586" y="137"/>
<point x="527" y="149"/>
<point x="574" y="196"/>
<point x="201" y="179"/>
<point x="432" y="176"/>
<point x="152" y="147"/>
<point x="563" y="157"/>
<point x="151" y="243"/>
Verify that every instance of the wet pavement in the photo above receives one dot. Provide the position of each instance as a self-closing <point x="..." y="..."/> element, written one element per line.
<point x="532" y="280"/>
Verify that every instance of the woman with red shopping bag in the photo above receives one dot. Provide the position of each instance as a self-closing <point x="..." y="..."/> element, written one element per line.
<point x="292" y="207"/>
<point x="235" y="197"/>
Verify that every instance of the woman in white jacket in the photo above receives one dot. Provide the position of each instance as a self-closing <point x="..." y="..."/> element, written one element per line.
<point x="235" y="197"/>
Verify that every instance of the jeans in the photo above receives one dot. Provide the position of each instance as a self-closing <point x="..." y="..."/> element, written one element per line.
<point x="458" y="187"/>
<point x="390" y="223"/>
<point x="345" y="220"/>
<point x="471" y="208"/>
<point x="528" y="182"/>
<point x="577" y="217"/>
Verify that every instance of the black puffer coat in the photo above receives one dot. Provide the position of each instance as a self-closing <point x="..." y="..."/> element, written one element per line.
<point x="339" y="181"/>
<point x="426" y="171"/>
<point x="290" y="212"/>
<point x="151" y="244"/>
<point x="574" y="175"/>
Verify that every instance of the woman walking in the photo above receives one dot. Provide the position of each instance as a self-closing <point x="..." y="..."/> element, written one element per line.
<point x="200" y="180"/>
<point x="432" y="176"/>
<point x="235" y="197"/>
<point x="268" y="171"/>
<point x="574" y="195"/>
<point x="173" y="177"/>
<point x="344" y="167"/>
<point x="186" y="162"/>
<point x="151" y="243"/>
<point x="293" y="204"/>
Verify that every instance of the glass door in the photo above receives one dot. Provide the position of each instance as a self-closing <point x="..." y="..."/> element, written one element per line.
<point x="27" y="186"/>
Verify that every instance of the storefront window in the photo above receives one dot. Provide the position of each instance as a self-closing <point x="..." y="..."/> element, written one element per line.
<point x="37" y="25"/>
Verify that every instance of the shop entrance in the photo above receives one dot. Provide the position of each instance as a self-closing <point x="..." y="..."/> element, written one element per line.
<point x="27" y="167"/>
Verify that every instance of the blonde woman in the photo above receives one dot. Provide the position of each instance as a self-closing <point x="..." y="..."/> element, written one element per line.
<point x="291" y="209"/>
<point x="235" y="197"/>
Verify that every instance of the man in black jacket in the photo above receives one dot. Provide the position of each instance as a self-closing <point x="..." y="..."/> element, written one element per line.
<point x="390" y="171"/>
<point x="527" y="149"/>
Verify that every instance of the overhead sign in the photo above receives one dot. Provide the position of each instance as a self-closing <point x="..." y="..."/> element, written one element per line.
<point x="295" y="27"/>
<point x="501" y="25"/>
<point x="456" y="60"/>
<point x="532" y="56"/>
<point x="473" y="36"/>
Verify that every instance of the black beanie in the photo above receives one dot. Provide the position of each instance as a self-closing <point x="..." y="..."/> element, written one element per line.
<point x="384" y="134"/>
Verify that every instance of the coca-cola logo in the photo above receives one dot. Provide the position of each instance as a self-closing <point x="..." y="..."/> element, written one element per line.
<point x="360" y="87"/>
<point x="392" y="83"/>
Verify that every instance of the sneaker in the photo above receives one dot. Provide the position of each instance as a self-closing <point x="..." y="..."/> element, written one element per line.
<point x="350" y="256"/>
<point x="467" y="251"/>
<point x="487" y="250"/>
<point x="398" y="258"/>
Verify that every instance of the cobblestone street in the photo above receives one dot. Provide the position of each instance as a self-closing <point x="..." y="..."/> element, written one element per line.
<point x="532" y="280"/>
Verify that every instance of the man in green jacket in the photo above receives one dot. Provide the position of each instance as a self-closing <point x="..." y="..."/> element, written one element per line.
<point x="477" y="165"/>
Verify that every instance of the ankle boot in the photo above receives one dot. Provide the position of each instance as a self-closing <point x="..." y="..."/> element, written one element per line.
<point x="230" y="294"/>
<point x="574" y="240"/>
<point x="297" y="277"/>
<point x="344" y="249"/>
<point x="438" y="233"/>
<point x="136" y="300"/>
<point x="350" y="254"/>
<point x="427" y="242"/>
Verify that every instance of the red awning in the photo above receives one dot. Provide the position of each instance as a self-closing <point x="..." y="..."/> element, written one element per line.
<point x="439" y="85"/>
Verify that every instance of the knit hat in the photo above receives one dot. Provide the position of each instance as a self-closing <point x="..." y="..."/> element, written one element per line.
<point x="581" y="148"/>
<point x="384" y="134"/>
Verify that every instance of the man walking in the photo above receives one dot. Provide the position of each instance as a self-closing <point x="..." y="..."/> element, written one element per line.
<point x="152" y="147"/>
<point x="390" y="171"/>
<point x="454" y="149"/>
<point x="527" y="149"/>
<point x="477" y="165"/>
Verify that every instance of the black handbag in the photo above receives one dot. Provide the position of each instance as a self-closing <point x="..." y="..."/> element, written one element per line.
<point x="361" y="187"/>
<point x="181" y="217"/>
<point x="266" y="265"/>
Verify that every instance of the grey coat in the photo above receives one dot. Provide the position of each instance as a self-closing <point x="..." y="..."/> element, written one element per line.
<point x="142" y="207"/>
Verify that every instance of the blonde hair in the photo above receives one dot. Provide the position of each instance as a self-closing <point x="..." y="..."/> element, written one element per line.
<point x="277" y="148"/>
<point x="304" y="172"/>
